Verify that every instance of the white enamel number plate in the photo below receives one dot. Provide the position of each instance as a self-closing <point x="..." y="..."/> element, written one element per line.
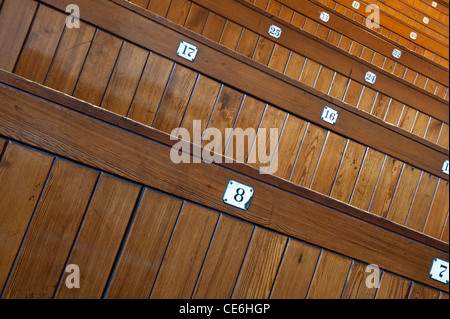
<point x="439" y="270"/>
<point x="370" y="77"/>
<point x="275" y="31"/>
<point x="238" y="195"/>
<point x="187" y="51"/>
<point x="329" y="115"/>
<point x="445" y="168"/>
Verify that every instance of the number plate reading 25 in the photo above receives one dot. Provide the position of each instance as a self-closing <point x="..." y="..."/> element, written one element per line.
<point x="187" y="51"/>
<point x="238" y="195"/>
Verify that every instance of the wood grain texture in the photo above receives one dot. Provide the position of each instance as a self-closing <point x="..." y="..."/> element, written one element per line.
<point x="41" y="44"/>
<point x="438" y="211"/>
<point x="296" y="271"/>
<point x="393" y="287"/>
<point x="260" y="265"/>
<point x="145" y="246"/>
<point x="23" y="173"/>
<point x="356" y="287"/>
<point x="329" y="277"/>
<point x="15" y="20"/>
<point x="422" y="292"/>
<point x="52" y="232"/>
<point x="224" y="260"/>
<point x="102" y="231"/>
<point x="183" y="260"/>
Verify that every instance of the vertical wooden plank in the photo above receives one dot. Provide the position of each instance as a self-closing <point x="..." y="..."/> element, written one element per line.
<point x="214" y="27"/>
<point x="324" y="80"/>
<point x="263" y="51"/>
<point x="201" y="105"/>
<point x="445" y="232"/>
<point x="310" y="71"/>
<point x="329" y="164"/>
<point x="185" y="255"/>
<point x="159" y="7"/>
<point x="224" y="259"/>
<point x="348" y="172"/>
<point x="15" y="20"/>
<point x="381" y="106"/>
<point x="330" y="277"/>
<point x="279" y="58"/>
<point x="295" y="66"/>
<point x="22" y="177"/>
<point x="422" y="292"/>
<point x="102" y="231"/>
<point x="247" y="44"/>
<point x="387" y="183"/>
<point x="289" y="145"/>
<point x="353" y="94"/>
<point x="69" y="58"/>
<point x="444" y="136"/>
<point x="196" y="19"/>
<point x="433" y="130"/>
<point x="404" y="194"/>
<point x="438" y="212"/>
<point x="356" y="287"/>
<point x="175" y="100"/>
<point x="40" y="47"/>
<point x="296" y="271"/>
<point x="231" y="35"/>
<point x="260" y="265"/>
<point x="422" y="202"/>
<point x="393" y="287"/>
<point x="338" y="86"/>
<point x="125" y="79"/>
<point x="394" y="112"/>
<point x="265" y="159"/>
<point x="60" y="211"/>
<point x="141" y="3"/>
<point x="367" y="100"/>
<point x="151" y="89"/>
<point x="145" y="246"/>
<point x="248" y="120"/>
<point x="94" y="80"/>
<point x="223" y="117"/>
<point x="178" y="11"/>
<point x="309" y="156"/>
<point x="421" y="124"/>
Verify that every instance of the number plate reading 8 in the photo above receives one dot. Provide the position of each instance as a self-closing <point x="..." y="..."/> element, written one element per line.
<point x="439" y="270"/>
<point x="329" y="115"/>
<point x="238" y="195"/>
<point x="187" y="51"/>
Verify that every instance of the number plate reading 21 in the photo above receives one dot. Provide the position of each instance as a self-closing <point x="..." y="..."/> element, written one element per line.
<point x="238" y="195"/>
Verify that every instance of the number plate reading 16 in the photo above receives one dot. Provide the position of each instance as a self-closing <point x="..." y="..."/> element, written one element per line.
<point x="439" y="270"/>
<point x="187" y="51"/>
<point x="329" y="115"/>
<point x="238" y="195"/>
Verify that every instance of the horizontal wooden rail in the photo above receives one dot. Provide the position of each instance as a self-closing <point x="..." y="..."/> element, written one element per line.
<point x="372" y="40"/>
<point x="250" y="77"/>
<point x="79" y="136"/>
<point x="322" y="52"/>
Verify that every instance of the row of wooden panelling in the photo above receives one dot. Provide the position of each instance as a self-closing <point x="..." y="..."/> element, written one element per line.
<point x="420" y="109"/>
<point x="158" y="92"/>
<point x="85" y="200"/>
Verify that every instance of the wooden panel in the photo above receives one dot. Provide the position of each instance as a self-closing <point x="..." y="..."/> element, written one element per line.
<point x="439" y="211"/>
<point x="330" y="276"/>
<point x="296" y="212"/>
<point x="175" y="100"/>
<point x="196" y="19"/>
<point x="160" y="7"/>
<point x="41" y="44"/>
<point x="145" y="246"/>
<point x="183" y="260"/>
<point x="356" y="287"/>
<point x="69" y="58"/>
<point x="296" y="271"/>
<point x="102" y="231"/>
<point x="22" y="177"/>
<point x="93" y="81"/>
<point x="58" y="215"/>
<point x="151" y="89"/>
<point x="393" y="287"/>
<point x="125" y="79"/>
<point x="224" y="259"/>
<point x="15" y="20"/>
<point x="260" y="265"/>
<point x="422" y="292"/>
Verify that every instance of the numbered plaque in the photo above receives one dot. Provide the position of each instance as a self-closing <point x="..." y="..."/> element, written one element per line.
<point x="445" y="167"/>
<point x="370" y="77"/>
<point x="413" y="35"/>
<point x="238" y="195"/>
<point x="275" y="31"/>
<point x="439" y="270"/>
<point x="187" y="51"/>
<point x="325" y="17"/>
<point x="329" y="115"/>
<point x="355" y="5"/>
<point x="397" y="53"/>
<point x="426" y="20"/>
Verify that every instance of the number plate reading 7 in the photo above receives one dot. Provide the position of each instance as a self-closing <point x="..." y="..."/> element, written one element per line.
<point x="238" y="195"/>
<point x="187" y="51"/>
<point x="439" y="270"/>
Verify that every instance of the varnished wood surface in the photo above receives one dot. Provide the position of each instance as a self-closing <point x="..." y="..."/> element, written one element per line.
<point x="291" y="215"/>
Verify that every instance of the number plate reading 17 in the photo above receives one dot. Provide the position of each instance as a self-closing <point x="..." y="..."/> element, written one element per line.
<point x="187" y="51"/>
<point x="439" y="270"/>
<point x="238" y="195"/>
